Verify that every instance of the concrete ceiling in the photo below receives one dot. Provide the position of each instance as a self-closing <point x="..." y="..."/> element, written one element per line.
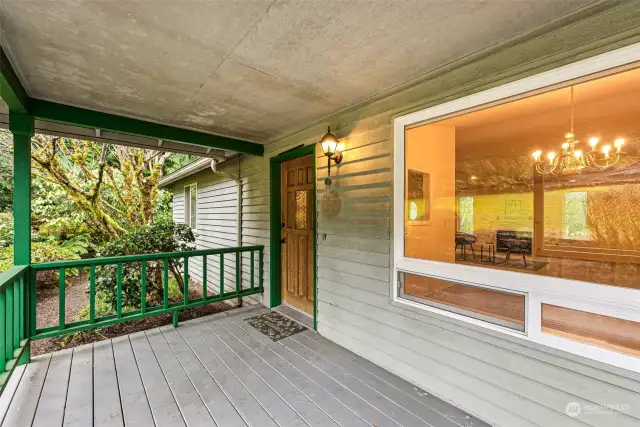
<point x="250" y="69"/>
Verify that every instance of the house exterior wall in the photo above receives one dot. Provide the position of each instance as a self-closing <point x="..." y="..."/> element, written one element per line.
<point x="217" y="207"/>
<point x="496" y="377"/>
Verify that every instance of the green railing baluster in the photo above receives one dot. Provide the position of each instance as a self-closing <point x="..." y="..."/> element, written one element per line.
<point x="238" y="278"/>
<point x="61" y="299"/>
<point x="204" y="278"/>
<point x="185" y="291"/>
<point x="119" y="290"/>
<point x="92" y="294"/>
<point x="261" y="267"/>
<point x="165" y="280"/>
<point x="143" y="288"/>
<point x="16" y="314"/>
<point x="221" y="275"/>
<point x="8" y="343"/>
<point x="21" y="316"/>
<point x="252" y="270"/>
<point x="32" y="301"/>
<point x="3" y="331"/>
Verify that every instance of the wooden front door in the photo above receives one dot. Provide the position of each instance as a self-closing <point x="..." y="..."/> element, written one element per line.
<point x="298" y="203"/>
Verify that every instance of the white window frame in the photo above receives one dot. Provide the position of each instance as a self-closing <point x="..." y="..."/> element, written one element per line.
<point x="623" y="303"/>
<point x="184" y="194"/>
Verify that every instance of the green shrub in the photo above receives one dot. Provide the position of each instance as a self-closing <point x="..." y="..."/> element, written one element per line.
<point x="166" y="236"/>
<point x="6" y="229"/>
<point x="41" y="252"/>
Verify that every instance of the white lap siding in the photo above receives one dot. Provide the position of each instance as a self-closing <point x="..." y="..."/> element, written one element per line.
<point x="217" y="204"/>
<point x="504" y="381"/>
<point x="497" y="378"/>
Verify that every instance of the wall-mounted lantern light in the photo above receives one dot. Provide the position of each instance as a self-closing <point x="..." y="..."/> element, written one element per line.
<point x="331" y="148"/>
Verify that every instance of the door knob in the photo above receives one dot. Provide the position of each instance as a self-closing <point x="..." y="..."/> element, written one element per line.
<point x="282" y="240"/>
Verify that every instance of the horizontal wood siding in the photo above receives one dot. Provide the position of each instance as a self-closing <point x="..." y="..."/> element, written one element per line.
<point x="507" y="382"/>
<point x="217" y="201"/>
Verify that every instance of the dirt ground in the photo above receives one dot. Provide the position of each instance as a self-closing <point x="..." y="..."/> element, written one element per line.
<point x="77" y="298"/>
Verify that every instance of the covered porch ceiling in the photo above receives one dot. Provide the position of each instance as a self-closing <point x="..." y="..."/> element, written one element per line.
<point x="249" y="71"/>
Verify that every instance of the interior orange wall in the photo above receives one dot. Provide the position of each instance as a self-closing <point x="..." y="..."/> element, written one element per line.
<point x="431" y="149"/>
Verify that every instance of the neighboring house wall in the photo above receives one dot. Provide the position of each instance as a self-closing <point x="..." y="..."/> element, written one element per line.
<point x="217" y="201"/>
<point x="496" y="377"/>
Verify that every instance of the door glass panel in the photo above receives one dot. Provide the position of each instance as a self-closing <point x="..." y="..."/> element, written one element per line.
<point x="301" y="209"/>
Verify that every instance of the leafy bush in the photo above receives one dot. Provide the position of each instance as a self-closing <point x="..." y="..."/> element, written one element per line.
<point x="6" y="229"/>
<point x="41" y="252"/>
<point x="155" y="238"/>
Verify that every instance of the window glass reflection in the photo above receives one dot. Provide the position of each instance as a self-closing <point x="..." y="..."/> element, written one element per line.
<point x="545" y="185"/>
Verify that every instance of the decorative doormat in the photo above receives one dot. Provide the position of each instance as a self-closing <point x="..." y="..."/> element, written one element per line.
<point x="275" y="325"/>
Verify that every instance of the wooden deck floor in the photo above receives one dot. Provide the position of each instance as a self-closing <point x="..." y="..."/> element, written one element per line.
<point x="217" y="371"/>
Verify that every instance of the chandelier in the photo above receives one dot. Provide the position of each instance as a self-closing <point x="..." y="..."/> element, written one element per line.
<point x="572" y="159"/>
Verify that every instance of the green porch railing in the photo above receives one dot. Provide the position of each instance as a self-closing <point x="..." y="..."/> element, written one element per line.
<point x="95" y="321"/>
<point x="14" y="329"/>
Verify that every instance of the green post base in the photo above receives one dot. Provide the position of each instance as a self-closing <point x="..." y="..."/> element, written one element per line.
<point x="175" y="319"/>
<point x="26" y="355"/>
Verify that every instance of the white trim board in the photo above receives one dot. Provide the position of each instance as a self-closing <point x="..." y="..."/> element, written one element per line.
<point x="612" y="301"/>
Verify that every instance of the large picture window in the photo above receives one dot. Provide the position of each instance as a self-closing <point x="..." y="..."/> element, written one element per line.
<point x="524" y="192"/>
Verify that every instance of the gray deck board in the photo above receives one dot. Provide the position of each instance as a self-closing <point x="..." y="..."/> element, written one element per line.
<point x="135" y="405"/>
<point x="107" y="410"/>
<point x="193" y="409"/>
<point x="10" y="390"/>
<point x="277" y="408"/>
<point x="50" y="410"/>
<point x="222" y="410"/>
<point x="309" y="412"/>
<point x="421" y="411"/>
<point x="25" y="400"/>
<point x="78" y="411"/>
<point x="389" y="408"/>
<point x="446" y="409"/>
<point x="161" y="401"/>
<point x="253" y="414"/>
<point x="329" y="404"/>
<point x="216" y="371"/>
<point x="363" y="409"/>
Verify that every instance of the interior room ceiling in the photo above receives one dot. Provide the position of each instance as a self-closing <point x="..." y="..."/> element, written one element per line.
<point x="606" y="107"/>
<point x="251" y="69"/>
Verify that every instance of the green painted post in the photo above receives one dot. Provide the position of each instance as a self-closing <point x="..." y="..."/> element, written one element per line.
<point x="185" y="290"/>
<point x="3" y="339"/>
<point x="61" y="299"/>
<point x="21" y="125"/>
<point x="204" y="278"/>
<point x="119" y="290"/>
<point x="175" y="319"/>
<point x="92" y="294"/>
<point x="143" y="288"/>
